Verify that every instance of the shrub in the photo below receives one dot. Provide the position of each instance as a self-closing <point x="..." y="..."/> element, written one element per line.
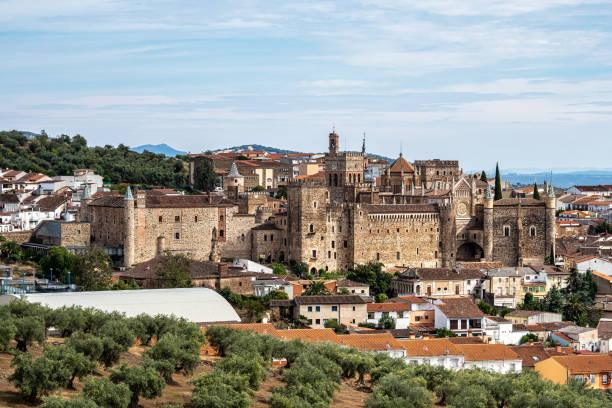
<point x="399" y="390"/>
<point x="221" y="390"/>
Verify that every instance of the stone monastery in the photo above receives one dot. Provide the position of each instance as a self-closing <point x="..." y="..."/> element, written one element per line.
<point x="426" y="214"/>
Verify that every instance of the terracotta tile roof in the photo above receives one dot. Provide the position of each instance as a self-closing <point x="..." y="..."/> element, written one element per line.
<point x="603" y="276"/>
<point x="401" y="165"/>
<point x="487" y="352"/>
<point x="587" y="363"/>
<point x="531" y="354"/>
<point x="411" y="299"/>
<point x="466" y="340"/>
<point x="387" y="307"/>
<point x="534" y="327"/>
<point x="564" y="337"/>
<point x="519" y="327"/>
<point x="350" y="284"/>
<point x="524" y="313"/>
<point x="51" y="203"/>
<point x="329" y="300"/>
<point x="308" y="335"/>
<point x="498" y="319"/>
<point x="604" y="329"/>
<point x="431" y="347"/>
<point x="371" y="342"/>
<point x="459" y="307"/>
<point x="261" y="328"/>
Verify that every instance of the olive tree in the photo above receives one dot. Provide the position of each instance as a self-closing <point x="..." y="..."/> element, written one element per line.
<point x="106" y="393"/>
<point x="35" y="378"/>
<point x="142" y="382"/>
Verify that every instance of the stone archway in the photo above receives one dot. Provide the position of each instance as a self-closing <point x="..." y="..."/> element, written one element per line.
<point x="470" y="251"/>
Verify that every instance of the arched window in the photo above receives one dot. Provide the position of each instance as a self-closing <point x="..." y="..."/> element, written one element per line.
<point x="335" y="180"/>
<point x="532" y="231"/>
<point x="311" y="228"/>
<point x="330" y="180"/>
<point x="506" y="230"/>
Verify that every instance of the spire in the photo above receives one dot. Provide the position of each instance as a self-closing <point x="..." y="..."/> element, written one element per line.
<point x="363" y="145"/>
<point x="234" y="171"/>
<point x="128" y="194"/>
<point x="488" y="191"/>
<point x="86" y="193"/>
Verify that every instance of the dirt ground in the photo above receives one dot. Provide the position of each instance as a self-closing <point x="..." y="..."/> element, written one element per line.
<point x="178" y="392"/>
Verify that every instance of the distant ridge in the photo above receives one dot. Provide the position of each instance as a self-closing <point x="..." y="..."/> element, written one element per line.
<point x="159" y="149"/>
<point x="275" y="150"/>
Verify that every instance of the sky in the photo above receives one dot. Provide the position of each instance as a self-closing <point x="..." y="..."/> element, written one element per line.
<point x="521" y="82"/>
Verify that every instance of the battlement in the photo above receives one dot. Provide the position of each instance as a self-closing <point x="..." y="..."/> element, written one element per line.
<point x="436" y="162"/>
<point x="355" y="155"/>
<point x="306" y="183"/>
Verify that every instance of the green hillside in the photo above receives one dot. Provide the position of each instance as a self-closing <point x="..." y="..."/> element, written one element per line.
<point x="61" y="155"/>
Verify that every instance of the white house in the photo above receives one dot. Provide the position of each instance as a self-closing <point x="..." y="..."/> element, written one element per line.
<point x="262" y="287"/>
<point x="400" y="312"/>
<point x="460" y="315"/>
<point x="497" y="358"/>
<point x="499" y="330"/>
<point x="435" y="352"/>
<point x="251" y="266"/>
<point x="594" y="264"/>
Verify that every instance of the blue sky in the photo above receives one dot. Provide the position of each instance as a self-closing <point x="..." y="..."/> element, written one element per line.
<point x="526" y="83"/>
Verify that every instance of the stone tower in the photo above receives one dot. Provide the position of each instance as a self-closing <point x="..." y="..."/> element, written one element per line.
<point x="448" y="234"/>
<point x="130" y="228"/>
<point x="333" y="144"/>
<point x="550" y="202"/>
<point x="85" y="200"/>
<point x="488" y="224"/>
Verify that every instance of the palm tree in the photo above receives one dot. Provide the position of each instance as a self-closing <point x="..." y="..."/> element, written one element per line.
<point x="316" y="288"/>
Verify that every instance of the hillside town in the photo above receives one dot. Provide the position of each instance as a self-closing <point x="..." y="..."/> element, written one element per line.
<point x="417" y="261"/>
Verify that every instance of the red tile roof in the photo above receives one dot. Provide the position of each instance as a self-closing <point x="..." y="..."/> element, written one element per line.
<point x="387" y="307"/>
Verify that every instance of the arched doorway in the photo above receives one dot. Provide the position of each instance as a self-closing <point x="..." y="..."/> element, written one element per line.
<point x="470" y="251"/>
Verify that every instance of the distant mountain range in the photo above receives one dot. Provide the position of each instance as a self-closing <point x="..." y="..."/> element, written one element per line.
<point x="158" y="149"/>
<point x="274" y="150"/>
<point x="561" y="179"/>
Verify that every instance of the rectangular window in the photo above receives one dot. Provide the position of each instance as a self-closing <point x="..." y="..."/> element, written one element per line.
<point x="177" y="235"/>
<point x="329" y="254"/>
<point x="177" y="218"/>
<point x="333" y="244"/>
<point x="221" y="233"/>
<point x="397" y="256"/>
<point x="377" y="256"/>
<point x="346" y="244"/>
<point x="353" y="308"/>
<point x="317" y="321"/>
<point x="604" y="379"/>
<point x="160" y="219"/>
<point x="454" y="324"/>
<point x="318" y="308"/>
<point x="314" y="253"/>
<point x="310" y="308"/>
<point x="195" y="219"/>
<point x="334" y="308"/>
<point x="370" y="315"/>
<point x="592" y="378"/>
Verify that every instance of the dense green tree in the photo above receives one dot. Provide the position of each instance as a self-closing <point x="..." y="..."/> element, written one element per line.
<point x="29" y="329"/>
<point x="173" y="272"/>
<point x="69" y="319"/>
<point x="575" y="310"/>
<point x="7" y="329"/>
<point x="487" y="308"/>
<point x="400" y="391"/>
<point x="527" y="338"/>
<point x="281" y="192"/>
<point x="249" y="364"/>
<point x="498" y="187"/>
<point x="529" y="302"/>
<point x="604" y="227"/>
<point x="78" y="364"/>
<point x="11" y="251"/>
<point x="372" y="274"/>
<point x="337" y="327"/>
<point x="386" y="322"/>
<point x="60" y="260"/>
<point x="278" y="269"/>
<point x="92" y="269"/>
<point x="258" y="189"/>
<point x="88" y="344"/>
<point x="536" y="192"/>
<point x="36" y="378"/>
<point x="204" y="176"/>
<point x="221" y="390"/>
<point x="316" y="288"/>
<point x="181" y="351"/>
<point x="553" y="301"/>
<point x="59" y="402"/>
<point x="107" y="394"/>
<point x="142" y="382"/>
<point x="442" y="332"/>
<point x="483" y="177"/>
<point x="59" y="156"/>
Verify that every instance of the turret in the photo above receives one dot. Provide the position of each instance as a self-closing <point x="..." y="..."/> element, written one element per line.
<point x="130" y="228"/>
<point x="234" y="182"/>
<point x="448" y="234"/>
<point x="488" y="224"/>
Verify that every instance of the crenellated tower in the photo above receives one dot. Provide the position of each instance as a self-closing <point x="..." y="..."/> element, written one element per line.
<point x="129" y="228"/>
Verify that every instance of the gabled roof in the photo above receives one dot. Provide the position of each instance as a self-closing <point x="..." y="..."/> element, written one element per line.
<point x="329" y="300"/>
<point x="589" y="363"/>
<point x="487" y="352"/>
<point x="431" y="347"/>
<point x="371" y="342"/>
<point x="347" y="283"/>
<point x="459" y="307"/>
<point x="531" y="354"/>
<point x="388" y="307"/>
<point x="401" y="165"/>
<point x="441" y="274"/>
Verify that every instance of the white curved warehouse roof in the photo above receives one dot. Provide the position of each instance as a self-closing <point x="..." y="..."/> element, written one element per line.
<point x="198" y="305"/>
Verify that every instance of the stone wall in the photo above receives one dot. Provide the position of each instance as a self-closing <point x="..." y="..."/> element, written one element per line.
<point x="74" y="234"/>
<point x="18" y="236"/>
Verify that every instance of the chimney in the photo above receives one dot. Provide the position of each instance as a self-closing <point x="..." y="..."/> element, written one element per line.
<point x="222" y="268"/>
<point x="558" y="348"/>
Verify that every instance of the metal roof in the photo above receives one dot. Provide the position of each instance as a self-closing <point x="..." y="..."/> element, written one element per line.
<point x="198" y="305"/>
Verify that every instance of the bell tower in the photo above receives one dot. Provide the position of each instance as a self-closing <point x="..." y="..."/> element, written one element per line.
<point x="333" y="143"/>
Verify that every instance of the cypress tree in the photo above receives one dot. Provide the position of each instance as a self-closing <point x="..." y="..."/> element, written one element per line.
<point x="536" y="193"/>
<point x="483" y="176"/>
<point x="498" y="189"/>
